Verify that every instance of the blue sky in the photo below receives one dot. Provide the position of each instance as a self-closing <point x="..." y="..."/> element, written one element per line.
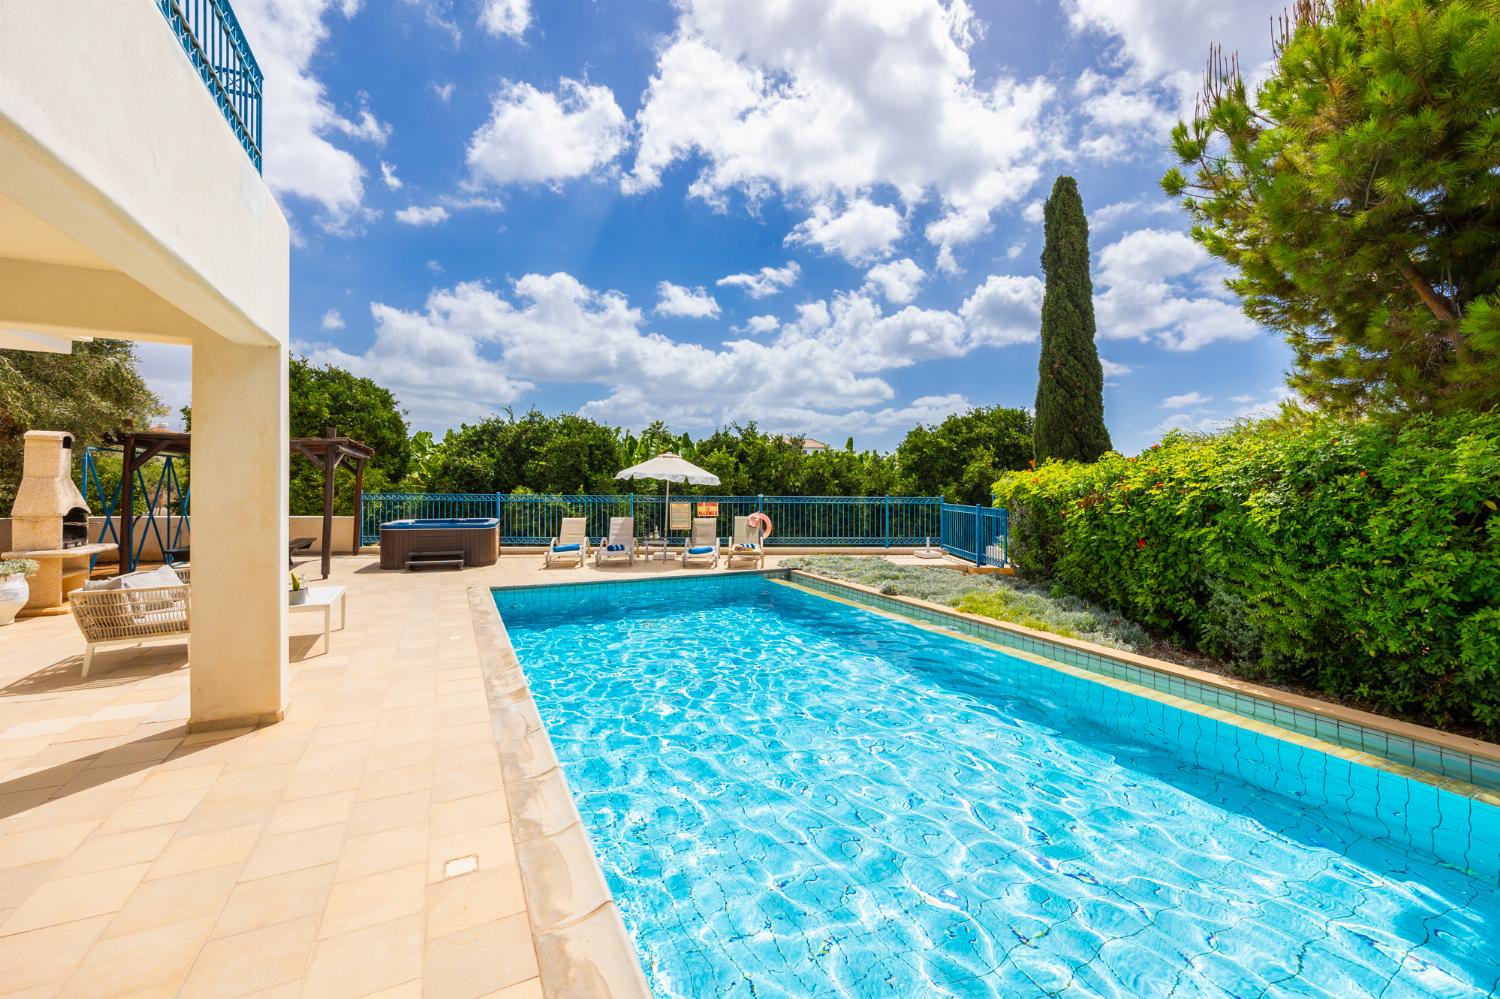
<point x="821" y="215"/>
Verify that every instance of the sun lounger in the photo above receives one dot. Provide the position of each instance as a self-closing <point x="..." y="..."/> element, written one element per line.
<point x="571" y="543"/>
<point x="746" y="543"/>
<point x="703" y="544"/>
<point x="620" y="545"/>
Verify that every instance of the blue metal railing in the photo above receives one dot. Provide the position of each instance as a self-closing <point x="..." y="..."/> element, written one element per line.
<point x="211" y="36"/>
<point x="166" y="506"/>
<point x="978" y="534"/>
<point x="531" y="519"/>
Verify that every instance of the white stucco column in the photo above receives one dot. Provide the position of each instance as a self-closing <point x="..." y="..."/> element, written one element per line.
<point x="237" y="654"/>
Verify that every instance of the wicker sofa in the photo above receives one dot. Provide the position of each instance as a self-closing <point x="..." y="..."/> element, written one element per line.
<point x="132" y="615"/>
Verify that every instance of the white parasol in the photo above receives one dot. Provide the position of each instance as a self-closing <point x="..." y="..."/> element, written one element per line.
<point x="669" y="468"/>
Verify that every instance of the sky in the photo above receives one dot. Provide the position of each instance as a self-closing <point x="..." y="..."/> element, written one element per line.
<point x="821" y="215"/>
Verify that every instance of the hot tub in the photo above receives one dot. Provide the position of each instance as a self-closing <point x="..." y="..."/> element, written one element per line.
<point x="476" y="539"/>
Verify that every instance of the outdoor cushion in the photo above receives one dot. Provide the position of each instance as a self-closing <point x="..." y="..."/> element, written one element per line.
<point x="701" y="550"/>
<point x="163" y="576"/>
<point x="112" y="583"/>
<point x="614" y="548"/>
<point x="565" y="548"/>
<point x="746" y="546"/>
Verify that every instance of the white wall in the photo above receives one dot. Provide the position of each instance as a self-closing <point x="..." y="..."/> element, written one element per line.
<point x="108" y="135"/>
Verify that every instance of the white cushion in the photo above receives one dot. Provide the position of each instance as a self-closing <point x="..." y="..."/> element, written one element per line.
<point x="161" y="576"/>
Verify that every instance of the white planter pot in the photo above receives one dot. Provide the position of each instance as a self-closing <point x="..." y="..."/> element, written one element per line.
<point x="295" y="597"/>
<point x="13" y="595"/>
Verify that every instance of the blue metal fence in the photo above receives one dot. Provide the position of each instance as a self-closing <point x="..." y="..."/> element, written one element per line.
<point x="978" y="534"/>
<point x="529" y="519"/>
<point x="165" y="502"/>
<point x="211" y="36"/>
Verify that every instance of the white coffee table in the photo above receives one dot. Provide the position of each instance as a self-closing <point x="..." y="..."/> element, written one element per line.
<point x="322" y="598"/>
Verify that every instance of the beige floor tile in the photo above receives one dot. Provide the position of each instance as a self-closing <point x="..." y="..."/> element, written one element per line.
<point x="365" y="961"/>
<point x="449" y="784"/>
<point x="65" y="899"/>
<point x="102" y="853"/>
<point x="17" y="883"/>
<point x="529" y="989"/>
<point x="253" y="961"/>
<point x="309" y="813"/>
<point x="378" y="898"/>
<point x="196" y="895"/>
<point x="389" y="813"/>
<point x="388" y="783"/>
<point x="470" y="900"/>
<point x="480" y="960"/>
<point x="315" y="783"/>
<point x="491" y="844"/>
<point x="142" y="813"/>
<point x="198" y="778"/>
<point x="450" y="818"/>
<point x="46" y="956"/>
<point x="36" y="845"/>
<point x="215" y="849"/>
<point x="383" y="851"/>
<point x="151" y="962"/>
<point x="278" y="899"/>
<point x="294" y="851"/>
<point x="226" y="813"/>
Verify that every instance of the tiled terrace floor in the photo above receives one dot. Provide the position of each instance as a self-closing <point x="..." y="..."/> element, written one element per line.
<point x="305" y="858"/>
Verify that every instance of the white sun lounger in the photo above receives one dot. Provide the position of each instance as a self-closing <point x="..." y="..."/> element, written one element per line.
<point x="571" y="543"/>
<point x="620" y="545"/>
<point x="704" y="535"/>
<point x="746" y="543"/>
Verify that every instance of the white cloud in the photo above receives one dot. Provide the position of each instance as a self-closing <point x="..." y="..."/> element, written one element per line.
<point x="1006" y="309"/>
<point x="1187" y="400"/>
<point x="388" y="174"/>
<point x="690" y="303"/>
<point x="365" y="126"/>
<point x="300" y="158"/>
<point x="471" y="349"/>
<point x="434" y="267"/>
<point x="830" y="99"/>
<point x="1014" y="250"/>
<point x="537" y="137"/>
<point x="765" y="282"/>
<point x="1170" y="41"/>
<point x="1101" y="219"/>
<point x="1154" y="284"/>
<point x="333" y="320"/>
<point x="863" y="231"/>
<point x="443" y="91"/>
<point x="418" y="215"/>
<point x="757" y="325"/>
<point x="1113" y="369"/>
<point x="897" y="280"/>
<point x="1034" y="212"/>
<point x="168" y="369"/>
<point x="505" y="17"/>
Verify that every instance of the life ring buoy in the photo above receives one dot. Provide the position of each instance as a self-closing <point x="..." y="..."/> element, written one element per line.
<point x="760" y="521"/>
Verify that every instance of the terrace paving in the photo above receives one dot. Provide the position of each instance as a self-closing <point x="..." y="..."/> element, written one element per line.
<point x="308" y="857"/>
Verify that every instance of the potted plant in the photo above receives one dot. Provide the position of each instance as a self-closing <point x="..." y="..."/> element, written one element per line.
<point x="298" y="594"/>
<point x="14" y="591"/>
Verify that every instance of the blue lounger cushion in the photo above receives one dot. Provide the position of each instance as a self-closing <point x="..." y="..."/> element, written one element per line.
<point x="701" y="550"/>
<point x="746" y="546"/>
<point x="565" y="548"/>
<point x="614" y="548"/>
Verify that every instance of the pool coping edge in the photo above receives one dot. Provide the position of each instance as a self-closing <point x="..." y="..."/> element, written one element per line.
<point x="582" y="946"/>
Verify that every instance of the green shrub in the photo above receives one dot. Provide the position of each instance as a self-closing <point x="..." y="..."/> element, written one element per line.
<point x="1356" y="558"/>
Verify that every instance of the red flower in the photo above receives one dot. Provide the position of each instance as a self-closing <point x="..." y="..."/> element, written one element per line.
<point x="1140" y="543"/>
<point x="1361" y="473"/>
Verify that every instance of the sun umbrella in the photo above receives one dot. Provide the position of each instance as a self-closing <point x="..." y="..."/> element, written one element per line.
<point x="669" y="468"/>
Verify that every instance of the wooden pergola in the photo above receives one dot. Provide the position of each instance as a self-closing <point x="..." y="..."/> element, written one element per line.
<point x="326" y="452"/>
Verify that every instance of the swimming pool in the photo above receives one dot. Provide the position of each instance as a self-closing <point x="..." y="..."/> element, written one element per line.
<point x="791" y="796"/>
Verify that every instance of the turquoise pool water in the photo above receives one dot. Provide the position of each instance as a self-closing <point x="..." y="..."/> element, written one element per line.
<point x="794" y="797"/>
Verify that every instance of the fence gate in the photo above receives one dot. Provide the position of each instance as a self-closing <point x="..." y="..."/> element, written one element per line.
<point x="978" y="534"/>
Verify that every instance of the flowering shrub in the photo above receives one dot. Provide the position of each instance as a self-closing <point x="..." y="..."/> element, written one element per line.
<point x="1355" y="558"/>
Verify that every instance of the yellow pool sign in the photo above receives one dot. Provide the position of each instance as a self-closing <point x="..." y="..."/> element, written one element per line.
<point x="708" y="509"/>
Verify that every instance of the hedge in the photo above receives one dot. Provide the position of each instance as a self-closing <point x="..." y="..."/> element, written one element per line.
<point x="1359" y="559"/>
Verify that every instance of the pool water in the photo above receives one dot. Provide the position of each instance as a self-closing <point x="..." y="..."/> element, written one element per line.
<point x="791" y="796"/>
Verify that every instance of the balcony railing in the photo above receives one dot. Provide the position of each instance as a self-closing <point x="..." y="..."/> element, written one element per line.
<point x="210" y="35"/>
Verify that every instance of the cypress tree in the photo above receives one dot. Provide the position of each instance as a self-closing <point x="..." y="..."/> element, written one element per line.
<point x="1070" y="383"/>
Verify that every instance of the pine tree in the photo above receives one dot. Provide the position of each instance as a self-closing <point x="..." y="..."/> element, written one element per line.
<point x="1070" y="383"/>
<point x="1356" y="195"/>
